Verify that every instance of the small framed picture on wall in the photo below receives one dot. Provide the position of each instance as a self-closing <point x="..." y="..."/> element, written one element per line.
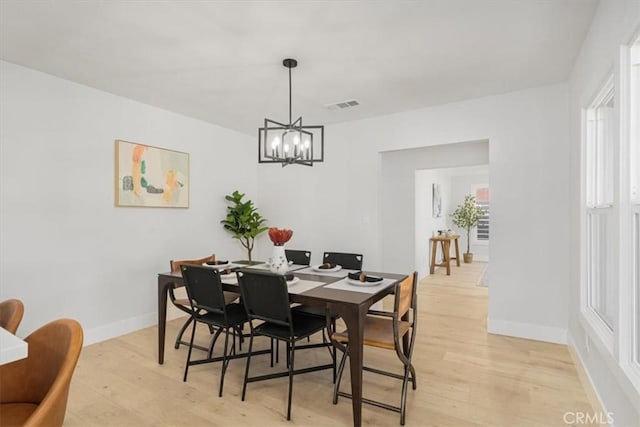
<point x="437" y="201"/>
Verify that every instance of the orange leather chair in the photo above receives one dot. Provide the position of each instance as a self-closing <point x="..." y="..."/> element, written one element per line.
<point x="35" y="389"/>
<point x="11" y="312"/>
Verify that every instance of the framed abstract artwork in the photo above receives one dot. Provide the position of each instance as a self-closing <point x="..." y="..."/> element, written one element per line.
<point x="149" y="176"/>
<point x="437" y="201"/>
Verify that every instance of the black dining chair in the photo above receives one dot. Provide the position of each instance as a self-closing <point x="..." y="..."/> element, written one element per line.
<point x="394" y="331"/>
<point x="346" y="260"/>
<point x="183" y="303"/>
<point x="298" y="257"/>
<point x="208" y="306"/>
<point x="266" y="299"/>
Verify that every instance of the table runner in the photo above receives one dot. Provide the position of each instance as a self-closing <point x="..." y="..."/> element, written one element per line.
<point x="340" y="273"/>
<point x="344" y="285"/>
<point x="303" y="286"/>
<point x="297" y="288"/>
<point x="265" y="267"/>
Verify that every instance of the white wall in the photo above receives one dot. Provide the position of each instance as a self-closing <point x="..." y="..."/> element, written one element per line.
<point x="614" y="24"/>
<point x="425" y="224"/>
<point x="398" y="180"/>
<point x="523" y="129"/>
<point x="65" y="250"/>
<point x="454" y="185"/>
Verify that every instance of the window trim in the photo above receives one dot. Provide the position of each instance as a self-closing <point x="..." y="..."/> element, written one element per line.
<point x="474" y="235"/>
<point x="591" y="321"/>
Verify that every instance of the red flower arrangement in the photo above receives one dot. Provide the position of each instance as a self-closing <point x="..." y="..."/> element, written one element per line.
<point x="280" y="236"/>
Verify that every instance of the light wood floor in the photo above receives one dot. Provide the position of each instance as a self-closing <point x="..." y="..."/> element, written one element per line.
<point x="466" y="377"/>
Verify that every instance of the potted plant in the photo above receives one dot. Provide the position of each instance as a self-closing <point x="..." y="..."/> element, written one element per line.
<point x="243" y="221"/>
<point x="467" y="216"/>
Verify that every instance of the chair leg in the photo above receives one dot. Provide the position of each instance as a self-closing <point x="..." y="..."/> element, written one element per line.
<point x="333" y="362"/>
<point x="403" y="395"/>
<point x="291" y="346"/>
<point x="186" y="366"/>
<point x="413" y="376"/>
<point x="240" y="337"/>
<point x="246" y="369"/>
<point x="225" y="360"/>
<point x="271" y="354"/>
<point x="181" y="332"/>
<point x="213" y="342"/>
<point x="288" y="354"/>
<point x="336" y="386"/>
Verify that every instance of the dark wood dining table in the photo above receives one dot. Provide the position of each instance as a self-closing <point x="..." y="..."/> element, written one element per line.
<point x="351" y="306"/>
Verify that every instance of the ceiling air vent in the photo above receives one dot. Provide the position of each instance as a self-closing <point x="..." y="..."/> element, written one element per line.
<point x="343" y="104"/>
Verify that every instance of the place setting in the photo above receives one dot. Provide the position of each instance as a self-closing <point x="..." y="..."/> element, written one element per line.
<point x="361" y="282"/>
<point x="226" y="269"/>
<point x="326" y="269"/>
<point x="220" y="265"/>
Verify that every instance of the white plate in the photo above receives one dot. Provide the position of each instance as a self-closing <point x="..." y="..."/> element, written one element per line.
<point x="293" y="281"/>
<point x="220" y="266"/>
<point x="359" y="283"/>
<point x="327" y="270"/>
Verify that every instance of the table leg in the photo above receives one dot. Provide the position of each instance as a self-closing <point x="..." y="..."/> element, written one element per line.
<point x="447" y="256"/>
<point x="354" y="318"/>
<point x="434" y="249"/>
<point x="163" y="291"/>
<point x="457" y="252"/>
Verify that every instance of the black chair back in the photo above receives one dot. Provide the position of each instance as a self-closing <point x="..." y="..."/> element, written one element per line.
<point x="298" y="257"/>
<point x="346" y="260"/>
<point x="204" y="288"/>
<point x="265" y="297"/>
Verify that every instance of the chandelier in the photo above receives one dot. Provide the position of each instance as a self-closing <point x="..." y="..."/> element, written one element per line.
<point x="291" y="143"/>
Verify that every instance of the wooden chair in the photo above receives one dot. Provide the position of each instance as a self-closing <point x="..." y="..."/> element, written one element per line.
<point x="391" y="331"/>
<point x="266" y="300"/>
<point x="35" y="389"/>
<point x="208" y="305"/>
<point x="183" y="303"/>
<point x="11" y="312"/>
<point x="298" y="257"/>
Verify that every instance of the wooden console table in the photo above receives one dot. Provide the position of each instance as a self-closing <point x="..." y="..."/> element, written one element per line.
<point x="445" y="244"/>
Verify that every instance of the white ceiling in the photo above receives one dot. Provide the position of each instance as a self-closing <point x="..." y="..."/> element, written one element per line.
<point x="222" y="61"/>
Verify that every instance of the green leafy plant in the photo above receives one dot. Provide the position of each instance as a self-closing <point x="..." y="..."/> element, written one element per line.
<point x="243" y="221"/>
<point x="467" y="216"/>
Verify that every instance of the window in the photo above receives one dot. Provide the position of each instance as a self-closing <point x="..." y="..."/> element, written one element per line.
<point x="599" y="299"/>
<point x="634" y="123"/>
<point x="610" y="285"/>
<point x="481" y="193"/>
<point x="636" y="282"/>
<point x="634" y="203"/>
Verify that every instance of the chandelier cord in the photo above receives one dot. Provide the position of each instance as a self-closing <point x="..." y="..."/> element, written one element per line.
<point x="290" y="116"/>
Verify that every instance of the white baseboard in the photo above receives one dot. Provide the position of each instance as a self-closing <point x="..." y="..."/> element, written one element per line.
<point x="586" y="380"/>
<point x="527" y="330"/>
<point x="122" y="327"/>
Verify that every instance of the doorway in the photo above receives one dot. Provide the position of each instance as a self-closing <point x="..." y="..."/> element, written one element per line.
<point x="397" y="195"/>
<point x="437" y="194"/>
